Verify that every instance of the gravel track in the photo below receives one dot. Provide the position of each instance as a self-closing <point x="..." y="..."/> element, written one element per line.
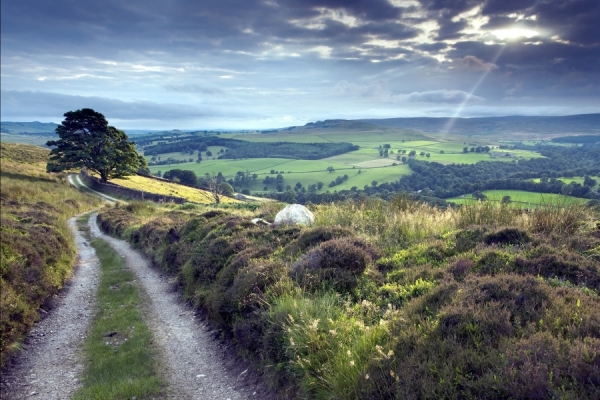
<point x="52" y="360"/>
<point x="195" y="365"/>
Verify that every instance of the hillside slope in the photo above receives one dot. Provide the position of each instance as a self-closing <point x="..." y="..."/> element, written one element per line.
<point x="37" y="249"/>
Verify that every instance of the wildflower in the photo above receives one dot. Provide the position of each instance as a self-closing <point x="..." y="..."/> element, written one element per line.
<point x="314" y="325"/>
<point x="333" y="332"/>
<point x="352" y="363"/>
<point x="292" y="341"/>
<point x="367" y="376"/>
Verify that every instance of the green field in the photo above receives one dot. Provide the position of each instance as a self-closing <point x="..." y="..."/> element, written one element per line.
<point x="522" y="199"/>
<point x="26" y="139"/>
<point x="367" y="159"/>
<point x="576" y="179"/>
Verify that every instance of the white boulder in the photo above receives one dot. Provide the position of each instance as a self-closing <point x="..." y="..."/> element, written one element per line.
<point x="295" y="214"/>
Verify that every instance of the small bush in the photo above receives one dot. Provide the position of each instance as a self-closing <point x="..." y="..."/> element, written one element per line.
<point x="314" y="236"/>
<point x="503" y="236"/>
<point x="336" y="263"/>
<point x="461" y="268"/>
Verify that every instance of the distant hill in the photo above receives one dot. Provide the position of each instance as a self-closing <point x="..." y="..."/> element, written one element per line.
<point x="40" y="128"/>
<point x="579" y="124"/>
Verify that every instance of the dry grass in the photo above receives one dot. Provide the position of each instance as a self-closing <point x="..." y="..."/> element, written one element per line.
<point x="150" y="185"/>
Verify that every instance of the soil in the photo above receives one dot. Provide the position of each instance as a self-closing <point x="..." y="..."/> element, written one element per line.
<point x="193" y="363"/>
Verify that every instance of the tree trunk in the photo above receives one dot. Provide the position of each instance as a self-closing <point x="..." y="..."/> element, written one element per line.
<point x="103" y="176"/>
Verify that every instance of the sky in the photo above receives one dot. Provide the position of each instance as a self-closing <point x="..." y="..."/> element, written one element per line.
<point x="259" y="64"/>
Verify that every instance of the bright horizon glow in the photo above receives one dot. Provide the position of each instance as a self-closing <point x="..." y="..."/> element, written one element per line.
<point x="514" y="33"/>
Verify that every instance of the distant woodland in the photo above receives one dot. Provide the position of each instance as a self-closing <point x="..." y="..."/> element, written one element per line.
<point x="237" y="149"/>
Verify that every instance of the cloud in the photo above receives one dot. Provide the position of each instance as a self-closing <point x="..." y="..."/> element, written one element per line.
<point x="443" y="96"/>
<point x="190" y="88"/>
<point x="18" y="104"/>
<point x="473" y="63"/>
<point x="377" y="90"/>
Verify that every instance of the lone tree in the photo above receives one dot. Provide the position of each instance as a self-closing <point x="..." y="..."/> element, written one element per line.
<point x="86" y="140"/>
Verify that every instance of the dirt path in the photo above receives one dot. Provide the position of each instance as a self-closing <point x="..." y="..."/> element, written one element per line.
<point x="52" y="362"/>
<point x="196" y="366"/>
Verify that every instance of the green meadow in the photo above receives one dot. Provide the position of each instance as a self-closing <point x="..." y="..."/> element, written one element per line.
<point x="367" y="160"/>
<point x="522" y="199"/>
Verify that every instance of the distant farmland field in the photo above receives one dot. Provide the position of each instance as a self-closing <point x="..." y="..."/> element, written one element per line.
<point x="367" y="160"/>
<point x="522" y="199"/>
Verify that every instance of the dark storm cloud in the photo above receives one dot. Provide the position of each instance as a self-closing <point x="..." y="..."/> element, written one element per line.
<point x="48" y="105"/>
<point x="492" y="7"/>
<point x="377" y="10"/>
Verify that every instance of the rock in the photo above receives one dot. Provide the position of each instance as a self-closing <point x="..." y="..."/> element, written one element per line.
<point x="260" y="221"/>
<point x="295" y="214"/>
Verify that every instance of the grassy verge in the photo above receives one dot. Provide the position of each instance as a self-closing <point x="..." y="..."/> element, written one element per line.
<point x="119" y="348"/>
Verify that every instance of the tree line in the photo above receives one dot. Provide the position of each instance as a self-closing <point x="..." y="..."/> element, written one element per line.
<point x="238" y="149"/>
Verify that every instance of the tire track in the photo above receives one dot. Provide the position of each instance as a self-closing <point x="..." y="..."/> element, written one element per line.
<point x="195" y="366"/>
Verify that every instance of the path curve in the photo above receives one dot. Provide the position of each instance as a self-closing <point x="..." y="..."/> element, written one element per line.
<point x="52" y="362"/>
<point x="75" y="181"/>
<point x="196" y="366"/>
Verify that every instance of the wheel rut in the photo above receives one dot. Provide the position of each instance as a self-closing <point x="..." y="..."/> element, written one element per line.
<point x="195" y="365"/>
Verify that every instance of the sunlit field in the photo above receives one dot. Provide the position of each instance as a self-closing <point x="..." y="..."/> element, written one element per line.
<point x="522" y="199"/>
<point x="169" y="189"/>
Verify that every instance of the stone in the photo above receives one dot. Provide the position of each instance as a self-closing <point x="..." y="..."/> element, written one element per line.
<point x="260" y="221"/>
<point x="295" y="214"/>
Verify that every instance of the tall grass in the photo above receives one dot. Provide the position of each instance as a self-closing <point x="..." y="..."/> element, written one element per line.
<point x="389" y="224"/>
<point x="329" y="341"/>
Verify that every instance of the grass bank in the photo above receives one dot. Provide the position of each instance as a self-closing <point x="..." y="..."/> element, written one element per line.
<point x="393" y="299"/>
<point x="37" y="249"/>
<point x="121" y="359"/>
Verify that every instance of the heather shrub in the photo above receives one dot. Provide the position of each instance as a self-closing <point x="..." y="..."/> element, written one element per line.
<point x="461" y="268"/>
<point x="314" y="236"/>
<point x="461" y="305"/>
<point x="336" y="263"/>
<point x="507" y="236"/>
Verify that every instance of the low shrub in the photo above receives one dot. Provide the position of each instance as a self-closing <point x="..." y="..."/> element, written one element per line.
<point x="336" y="263"/>
<point x="507" y="236"/>
<point x="314" y="236"/>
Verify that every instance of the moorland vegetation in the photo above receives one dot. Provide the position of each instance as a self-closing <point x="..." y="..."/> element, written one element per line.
<point x="37" y="249"/>
<point x="392" y="299"/>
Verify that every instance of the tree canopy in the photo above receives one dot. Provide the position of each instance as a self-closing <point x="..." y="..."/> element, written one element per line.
<point x="87" y="141"/>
